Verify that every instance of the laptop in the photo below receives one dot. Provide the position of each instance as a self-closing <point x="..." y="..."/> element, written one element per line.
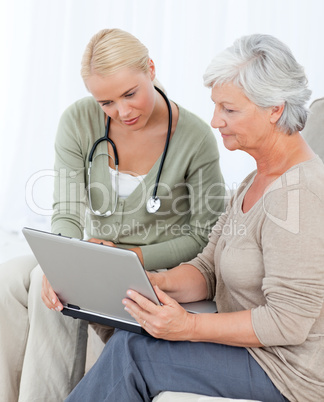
<point x="92" y="279"/>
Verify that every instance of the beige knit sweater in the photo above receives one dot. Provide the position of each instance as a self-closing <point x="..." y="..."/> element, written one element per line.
<point x="271" y="260"/>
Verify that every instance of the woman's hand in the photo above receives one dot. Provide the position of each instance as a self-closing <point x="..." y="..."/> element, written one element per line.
<point x="49" y="297"/>
<point x="104" y="242"/>
<point x="156" y="279"/>
<point x="169" y="321"/>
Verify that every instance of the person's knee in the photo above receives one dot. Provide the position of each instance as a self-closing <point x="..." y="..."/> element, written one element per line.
<point x="118" y="338"/>
<point x="15" y="275"/>
<point x="36" y="277"/>
<point x="119" y="341"/>
<point x="130" y="344"/>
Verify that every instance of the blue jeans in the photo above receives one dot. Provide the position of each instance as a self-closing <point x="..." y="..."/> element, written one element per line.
<point x="136" y="368"/>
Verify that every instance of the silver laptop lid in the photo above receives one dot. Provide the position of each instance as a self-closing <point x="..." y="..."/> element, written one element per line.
<point x="91" y="276"/>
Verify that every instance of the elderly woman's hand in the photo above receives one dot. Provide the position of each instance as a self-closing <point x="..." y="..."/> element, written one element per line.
<point x="49" y="297"/>
<point x="169" y="321"/>
<point x="156" y="279"/>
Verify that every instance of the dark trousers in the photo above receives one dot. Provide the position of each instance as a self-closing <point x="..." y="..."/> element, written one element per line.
<point x="137" y="368"/>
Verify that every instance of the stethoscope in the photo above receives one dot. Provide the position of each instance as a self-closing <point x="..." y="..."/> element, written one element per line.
<point x="154" y="203"/>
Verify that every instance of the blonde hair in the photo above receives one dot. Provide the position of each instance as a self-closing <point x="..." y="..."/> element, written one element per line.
<point x="111" y="50"/>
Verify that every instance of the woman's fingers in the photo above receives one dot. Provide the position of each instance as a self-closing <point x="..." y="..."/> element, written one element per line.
<point x="49" y="297"/>
<point x="163" y="297"/>
<point x="167" y="321"/>
<point x="154" y="277"/>
<point x="139" y="307"/>
<point x="100" y="241"/>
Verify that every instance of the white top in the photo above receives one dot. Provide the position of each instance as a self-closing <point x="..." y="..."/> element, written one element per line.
<point x="127" y="182"/>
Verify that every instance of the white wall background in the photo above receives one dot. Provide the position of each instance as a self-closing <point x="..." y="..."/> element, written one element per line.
<point x="41" y="44"/>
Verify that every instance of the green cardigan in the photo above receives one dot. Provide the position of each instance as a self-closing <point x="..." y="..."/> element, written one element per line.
<point x="191" y="189"/>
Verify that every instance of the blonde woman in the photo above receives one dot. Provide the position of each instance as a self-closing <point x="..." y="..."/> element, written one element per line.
<point x="135" y="170"/>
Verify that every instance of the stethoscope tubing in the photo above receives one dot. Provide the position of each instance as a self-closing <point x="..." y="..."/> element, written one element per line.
<point x="153" y="199"/>
<point x="105" y="138"/>
<point x="166" y="146"/>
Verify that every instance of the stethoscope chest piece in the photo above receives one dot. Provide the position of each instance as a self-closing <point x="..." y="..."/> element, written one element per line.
<point x="153" y="205"/>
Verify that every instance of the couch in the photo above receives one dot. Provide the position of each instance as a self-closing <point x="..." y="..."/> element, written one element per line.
<point x="314" y="129"/>
<point x="314" y="135"/>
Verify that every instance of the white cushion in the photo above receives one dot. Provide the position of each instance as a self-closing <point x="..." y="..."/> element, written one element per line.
<point x="168" y="396"/>
<point x="314" y="129"/>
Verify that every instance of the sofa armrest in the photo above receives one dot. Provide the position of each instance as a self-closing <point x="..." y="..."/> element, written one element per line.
<point x="168" y="396"/>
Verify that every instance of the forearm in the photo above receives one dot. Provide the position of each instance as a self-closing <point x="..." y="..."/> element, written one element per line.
<point x="233" y="329"/>
<point x="172" y="322"/>
<point x="169" y="254"/>
<point x="66" y="227"/>
<point x="184" y="283"/>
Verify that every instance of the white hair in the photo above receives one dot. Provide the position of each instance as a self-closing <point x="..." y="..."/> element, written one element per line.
<point x="269" y="75"/>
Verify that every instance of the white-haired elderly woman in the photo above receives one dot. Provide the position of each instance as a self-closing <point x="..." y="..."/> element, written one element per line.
<point x="267" y="275"/>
